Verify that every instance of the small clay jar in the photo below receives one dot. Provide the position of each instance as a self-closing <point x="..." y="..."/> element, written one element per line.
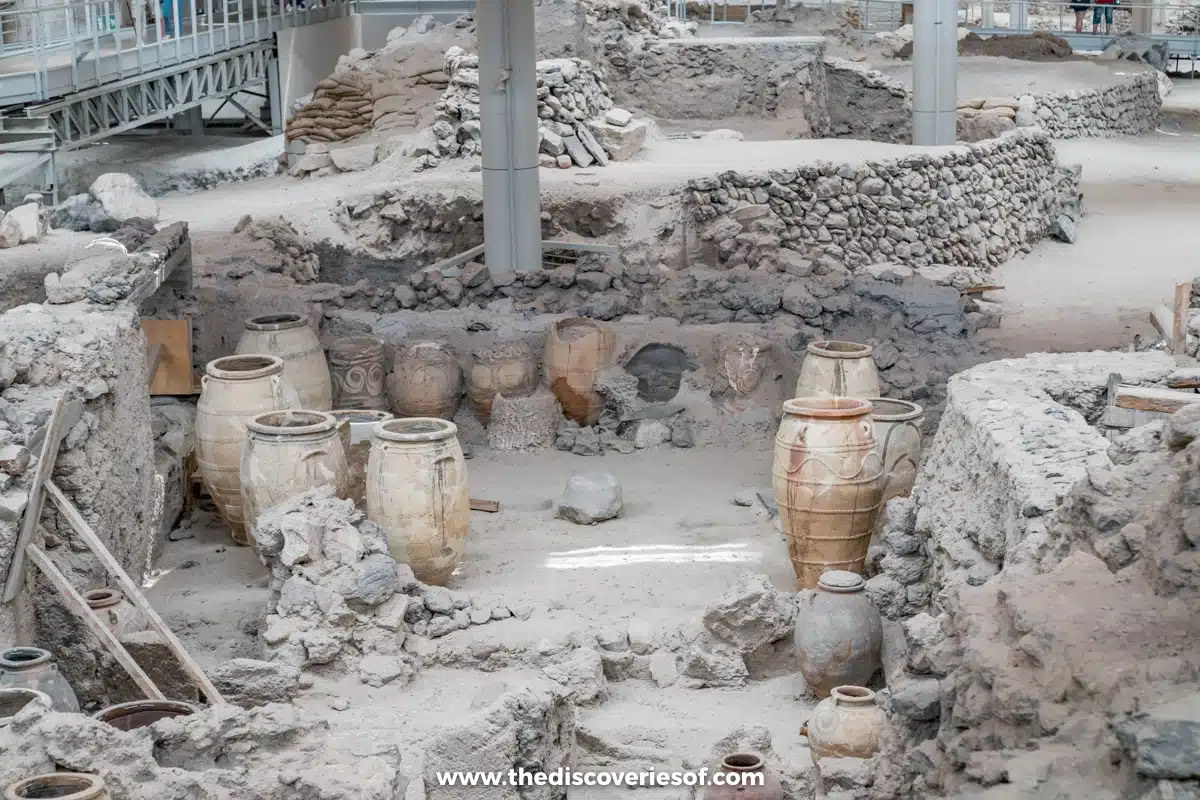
<point x="508" y="368"/>
<point x="59" y="785"/>
<point x="754" y="780"/>
<point x="118" y="614"/>
<point x="847" y="724"/>
<point x="34" y="668"/>
<point x="838" y="633"/>
<point x="140" y="713"/>
<point x="13" y="701"/>
<point x="359" y="370"/>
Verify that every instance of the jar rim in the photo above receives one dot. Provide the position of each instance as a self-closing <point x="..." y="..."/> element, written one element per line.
<point x="284" y="321"/>
<point x="292" y="422"/>
<point x="830" y="348"/>
<point x="244" y="367"/>
<point x="415" y="429"/>
<point x="827" y="407"/>
<point x="887" y="409"/>
<point x="19" y="658"/>
<point x="743" y="762"/>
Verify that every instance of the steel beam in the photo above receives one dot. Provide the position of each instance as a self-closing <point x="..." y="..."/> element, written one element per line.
<point x="512" y="223"/>
<point x="935" y="72"/>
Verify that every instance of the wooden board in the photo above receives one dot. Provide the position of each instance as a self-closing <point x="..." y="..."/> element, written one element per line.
<point x="1184" y="378"/>
<point x="174" y="373"/>
<point x="1150" y="398"/>
<point x="1163" y="320"/>
<point x="1183" y="301"/>
<point x="490" y="506"/>
<point x="989" y="287"/>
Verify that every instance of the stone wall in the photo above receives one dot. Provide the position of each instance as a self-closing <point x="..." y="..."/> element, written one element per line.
<point x="865" y="104"/>
<point x="1125" y="109"/>
<point x="976" y="206"/>
<point x="1035" y="588"/>
<point x="715" y="79"/>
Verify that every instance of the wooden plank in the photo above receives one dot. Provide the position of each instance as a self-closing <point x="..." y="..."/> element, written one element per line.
<point x="1110" y="392"/>
<point x="1184" y="378"/>
<point x="987" y="287"/>
<point x="132" y="591"/>
<point x="1163" y="320"/>
<point x="1151" y="398"/>
<point x="454" y="261"/>
<point x="1124" y="418"/>
<point x="1183" y="302"/>
<point x="490" y="506"/>
<point x="78" y="606"/>
<point x="174" y="374"/>
<point x="56" y="429"/>
<point x="153" y="357"/>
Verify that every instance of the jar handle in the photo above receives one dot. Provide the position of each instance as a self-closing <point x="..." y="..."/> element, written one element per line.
<point x="320" y="451"/>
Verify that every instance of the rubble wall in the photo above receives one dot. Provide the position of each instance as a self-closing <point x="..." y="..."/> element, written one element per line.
<point x="720" y="78"/>
<point x="1037" y="585"/>
<point x="975" y="205"/>
<point x="1126" y="109"/>
<point x="105" y="464"/>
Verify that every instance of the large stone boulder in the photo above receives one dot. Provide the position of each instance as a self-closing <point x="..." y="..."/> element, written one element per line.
<point x="122" y="198"/>
<point x="1136" y="47"/>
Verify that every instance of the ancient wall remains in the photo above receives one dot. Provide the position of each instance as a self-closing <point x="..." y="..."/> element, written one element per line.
<point x="1124" y="109"/>
<point x="865" y="104"/>
<point x="974" y="206"/>
<point x="1036" y="585"/>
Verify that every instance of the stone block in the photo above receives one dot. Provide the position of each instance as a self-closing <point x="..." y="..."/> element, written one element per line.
<point x="590" y="498"/>
<point x="620" y="142"/>
<point x="355" y="158"/>
<point x="524" y="423"/>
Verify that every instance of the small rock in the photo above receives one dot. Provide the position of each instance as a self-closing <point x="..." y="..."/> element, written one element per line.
<point x="339" y="703"/>
<point x="438" y="600"/>
<point x="663" y="669"/>
<point x="590" y="498"/>
<point x="918" y="700"/>
<point x="651" y="433"/>
<point x="618" y="116"/>
<point x="479" y="616"/>
<point x="248" y="683"/>
<point x="681" y="433"/>
<point x="378" y="671"/>
<point x="746" y="497"/>
<point x="14" y="459"/>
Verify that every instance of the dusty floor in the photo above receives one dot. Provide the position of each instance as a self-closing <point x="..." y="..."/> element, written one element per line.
<point x="979" y="76"/>
<point x="679" y="543"/>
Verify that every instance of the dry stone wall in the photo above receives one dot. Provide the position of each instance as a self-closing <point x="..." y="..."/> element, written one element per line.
<point x="975" y="206"/>
<point x="1125" y="109"/>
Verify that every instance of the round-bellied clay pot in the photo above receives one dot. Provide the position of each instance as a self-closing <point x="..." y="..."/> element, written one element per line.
<point x="508" y="368"/>
<point x="838" y="633"/>
<point x="291" y="338"/>
<point x="847" y="724"/>
<point x="426" y="381"/>
<point x="838" y="369"/>
<point x="828" y="481"/>
<point x="576" y="350"/>
<point x="59" y="785"/>
<point x="140" y="713"/>
<point x="898" y="440"/>
<point x="288" y="453"/>
<point x="235" y="390"/>
<point x="754" y="779"/>
<point x="34" y="668"/>
<point x="355" y="426"/>
<point x="417" y="493"/>
<point x="359" y="369"/>
<point x="13" y="701"/>
<point x="118" y="614"/>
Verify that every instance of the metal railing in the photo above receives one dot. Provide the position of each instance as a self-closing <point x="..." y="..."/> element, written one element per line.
<point x="718" y="10"/>
<point x="1083" y="23"/>
<point x="132" y="37"/>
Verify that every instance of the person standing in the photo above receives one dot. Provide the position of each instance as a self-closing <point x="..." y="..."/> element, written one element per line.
<point x="1103" y="8"/>
<point x="1080" y="10"/>
<point x="165" y="16"/>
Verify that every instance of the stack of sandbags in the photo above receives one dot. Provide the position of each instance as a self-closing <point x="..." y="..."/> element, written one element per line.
<point x="340" y="109"/>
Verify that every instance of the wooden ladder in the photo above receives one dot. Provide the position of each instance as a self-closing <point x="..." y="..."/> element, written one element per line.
<point x="64" y="416"/>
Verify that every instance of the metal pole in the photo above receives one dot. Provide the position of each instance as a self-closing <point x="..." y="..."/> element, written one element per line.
<point x="512" y="223"/>
<point x="935" y="72"/>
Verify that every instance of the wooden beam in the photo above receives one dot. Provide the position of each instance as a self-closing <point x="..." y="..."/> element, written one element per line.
<point x="1163" y="320"/>
<point x="987" y="287"/>
<point x="132" y="591"/>
<point x="1152" y="398"/>
<point x="1183" y="302"/>
<point x="56" y="429"/>
<point x="77" y="605"/>
<point x="1184" y="378"/>
<point x="490" y="506"/>
<point x="153" y="356"/>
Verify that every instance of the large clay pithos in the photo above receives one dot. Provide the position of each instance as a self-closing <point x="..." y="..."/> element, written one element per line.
<point x="417" y="493"/>
<point x="898" y="440"/>
<point x="359" y="370"/>
<point x="235" y="390"/>
<point x="755" y="780"/>
<point x="59" y="785"/>
<point x="288" y="453"/>
<point x="838" y="633"/>
<point x="34" y="668"/>
<point x="508" y="368"/>
<point x="14" y="700"/>
<point x="838" y="369"/>
<point x="291" y="338"/>
<point x="828" y="482"/>
<point x="847" y="724"/>
<point x="576" y="350"/>
<point x="354" y="429"/>
<point x="140" y="713"/>
<point x="426" y="381"/>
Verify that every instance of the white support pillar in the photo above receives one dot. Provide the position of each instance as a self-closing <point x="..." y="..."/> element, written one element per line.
<point x="512" y="222"/>
<point x="988" y="19"/>
<point x="935" y="72"/>
<point x="1018" y="15"/>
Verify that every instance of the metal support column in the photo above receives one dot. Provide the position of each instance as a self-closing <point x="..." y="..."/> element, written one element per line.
<point x="512" y="223"/>
<point x="1018" y="18"/>
<point x="275" y="97"/>
<point x="935" y="72"/>
<point x="195" y="116"/>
